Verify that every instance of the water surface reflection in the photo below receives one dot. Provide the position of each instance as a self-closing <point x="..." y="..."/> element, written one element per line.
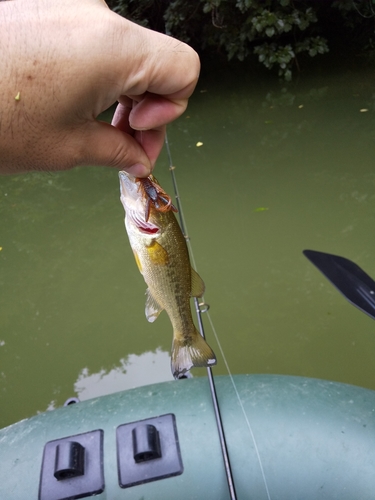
<point x="132" y="371"/>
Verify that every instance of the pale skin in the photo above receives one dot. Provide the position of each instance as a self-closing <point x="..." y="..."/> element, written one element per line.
<point x="64" y="62"/>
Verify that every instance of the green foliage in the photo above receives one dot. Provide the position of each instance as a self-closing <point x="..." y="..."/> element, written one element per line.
<point x="358" y="16"/>
<point x="276" y="31"/>
<point x="271" y="54"/>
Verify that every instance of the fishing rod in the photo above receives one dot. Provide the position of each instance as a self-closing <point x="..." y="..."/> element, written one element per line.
<point x="199" y="309"/>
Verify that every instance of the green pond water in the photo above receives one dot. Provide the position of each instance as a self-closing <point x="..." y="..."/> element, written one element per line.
<point x="282" y="168"/>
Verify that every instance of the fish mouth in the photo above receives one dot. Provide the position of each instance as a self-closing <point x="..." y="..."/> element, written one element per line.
<point x="135" y="205"/>
<point x="128" y="187"/>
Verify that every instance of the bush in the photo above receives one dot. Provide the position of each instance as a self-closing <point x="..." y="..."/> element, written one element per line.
<point x="276" y="31"/>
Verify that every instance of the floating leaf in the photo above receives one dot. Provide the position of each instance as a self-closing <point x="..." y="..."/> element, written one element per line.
<point x="261" y="209"/>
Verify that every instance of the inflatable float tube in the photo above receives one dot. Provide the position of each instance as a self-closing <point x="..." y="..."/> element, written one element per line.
<point x="315" y="440"/>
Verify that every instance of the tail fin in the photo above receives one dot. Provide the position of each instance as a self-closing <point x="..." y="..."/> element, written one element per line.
<point x="190" y="353"/>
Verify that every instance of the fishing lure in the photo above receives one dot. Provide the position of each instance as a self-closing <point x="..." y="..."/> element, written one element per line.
<point x="155" y="195"/>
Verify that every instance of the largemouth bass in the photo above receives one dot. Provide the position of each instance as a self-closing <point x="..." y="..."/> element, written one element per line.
<point x="162" y="257"/>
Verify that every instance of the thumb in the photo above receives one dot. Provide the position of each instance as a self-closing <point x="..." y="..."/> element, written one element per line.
<point x="103" y="144"/>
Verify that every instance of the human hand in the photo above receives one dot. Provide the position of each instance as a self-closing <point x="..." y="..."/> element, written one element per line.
<point x="63" y="63"/>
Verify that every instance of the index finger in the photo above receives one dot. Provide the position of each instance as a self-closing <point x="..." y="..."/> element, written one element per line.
<point x="154" y="111"/>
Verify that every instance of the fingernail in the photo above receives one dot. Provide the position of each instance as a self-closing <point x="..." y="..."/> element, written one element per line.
<point x="138" y="170"/>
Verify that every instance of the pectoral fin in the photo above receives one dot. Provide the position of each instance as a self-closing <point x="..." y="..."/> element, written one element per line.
<point x="157" y="253"/>
<point x="197" y="284"/>
<point x="153" y="308"/>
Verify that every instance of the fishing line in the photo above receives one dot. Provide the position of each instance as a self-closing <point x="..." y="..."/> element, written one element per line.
<point x="199" y="308"/>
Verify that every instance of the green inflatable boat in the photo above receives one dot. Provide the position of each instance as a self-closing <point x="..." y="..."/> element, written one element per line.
<point x="288" y="438"/>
